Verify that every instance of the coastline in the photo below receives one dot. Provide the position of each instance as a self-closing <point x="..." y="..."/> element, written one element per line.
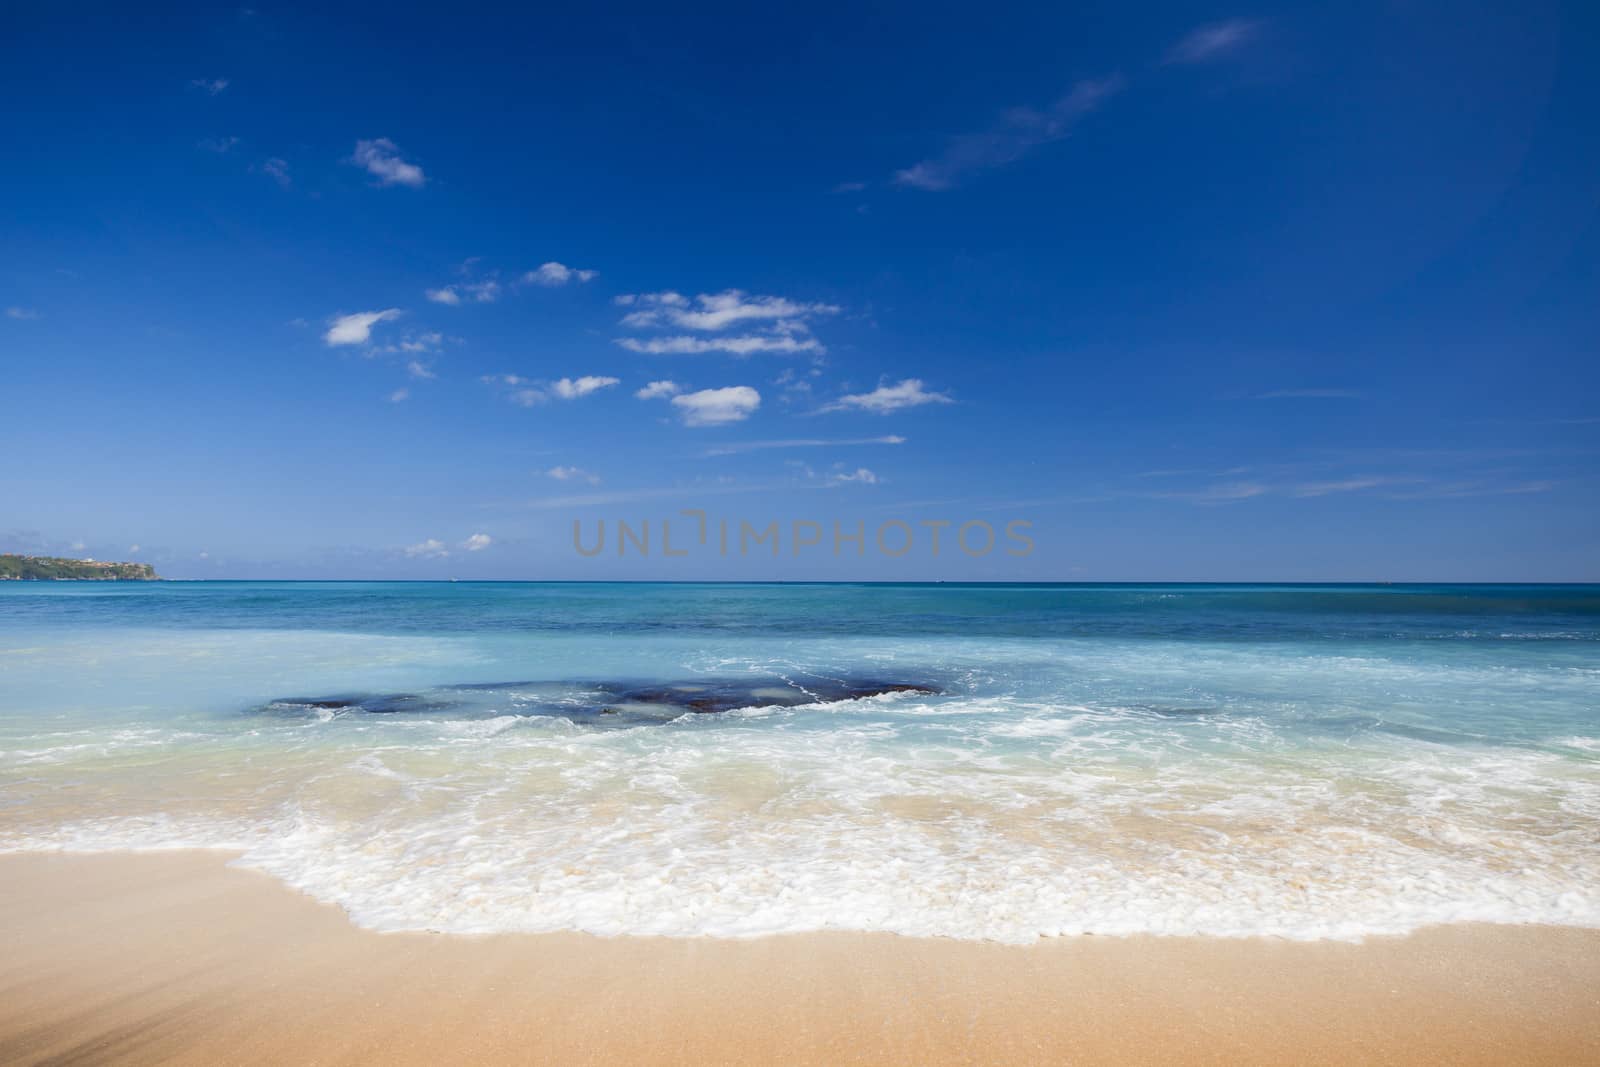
<point x="176" y="957"/>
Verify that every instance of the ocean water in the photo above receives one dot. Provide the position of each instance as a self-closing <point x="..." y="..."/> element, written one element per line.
<point x="1305" y="762"/>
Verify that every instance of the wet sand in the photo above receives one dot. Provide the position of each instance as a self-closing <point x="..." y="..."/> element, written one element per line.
<point x="177" y="958"/>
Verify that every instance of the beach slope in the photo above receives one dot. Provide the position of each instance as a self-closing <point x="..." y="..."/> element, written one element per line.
<point x="177" y="958"/>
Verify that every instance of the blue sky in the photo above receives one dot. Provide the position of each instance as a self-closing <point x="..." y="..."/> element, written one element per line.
<point x="1266" y="292"/>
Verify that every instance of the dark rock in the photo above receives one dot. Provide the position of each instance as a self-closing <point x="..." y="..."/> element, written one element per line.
<point x="620" y="703"/>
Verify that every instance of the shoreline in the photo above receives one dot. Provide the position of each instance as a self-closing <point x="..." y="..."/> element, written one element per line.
<point x="177" y="957"/>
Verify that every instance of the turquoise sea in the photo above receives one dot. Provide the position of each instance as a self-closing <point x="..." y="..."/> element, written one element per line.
<point x="973" y="761"/>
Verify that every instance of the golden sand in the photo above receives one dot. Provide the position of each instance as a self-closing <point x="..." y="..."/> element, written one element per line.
<point x="177" y="958"/>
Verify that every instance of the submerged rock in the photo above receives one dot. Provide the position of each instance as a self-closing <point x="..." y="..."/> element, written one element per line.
<point x="713" y="697"/>
<point x="621" y="703"/>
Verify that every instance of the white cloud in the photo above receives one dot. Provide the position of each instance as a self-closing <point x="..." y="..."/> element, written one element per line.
<point x="717" y="311"/>
<point x="418" y="369"/>
<point x="791" y="381"/>
<point x="909" y="393"/>
<point x="860" y="475"/>
<point x="1233" y="491"/>
<point x="528" y="393"/>
<point x="399" y="395"/>
<point x="1214" y="40"/>
<point x="1224" y="493"/>
<point x="1474" y="488"/>
<point x="625" y="496"/>
<point x="133" y="550"/>
<point x="657" y="390"/>
<point x="210" y="86"/>
<point x="717" y="407"/>
<point x="1346" y="485"/>
<point x="432" y="548"/>
<point x="572" y="388"/>
<point x="746" y="345"/>
<point x="557" y="274"/>
<point x="278" y="171"/>
<point x="219" y="145"/>
<point x="477" y="542"/>
<point x="803" y="442"/>
<point x="1016" y="133"/>
<point x="570" y="474"/>
<point x="21" y="314"/>
<point x="428" y="341"/>
<point x="484" y="292"/>
<point x="357" y="329"/>
<point x="381" y="159"/>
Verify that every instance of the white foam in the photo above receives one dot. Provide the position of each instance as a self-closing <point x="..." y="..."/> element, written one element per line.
<point x="862" y="826"/>
<point x="1053" y="793"/>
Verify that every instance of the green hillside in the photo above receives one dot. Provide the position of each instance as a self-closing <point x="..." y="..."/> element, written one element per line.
<point x="48" y="568"/>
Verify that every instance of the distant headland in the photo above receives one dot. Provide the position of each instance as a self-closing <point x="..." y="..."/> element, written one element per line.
<point x="54" y="568"/>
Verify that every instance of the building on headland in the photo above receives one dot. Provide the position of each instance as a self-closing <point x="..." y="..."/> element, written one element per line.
<point x="56" y="568"/>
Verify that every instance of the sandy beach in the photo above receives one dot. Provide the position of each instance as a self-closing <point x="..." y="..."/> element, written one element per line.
<point x="178" y="958"/>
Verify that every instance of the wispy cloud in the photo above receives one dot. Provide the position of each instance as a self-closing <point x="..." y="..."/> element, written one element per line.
<point x="528" y="392"/>
<point x="356" y="329"/>
<point x="1290" y="481"/>
<point x="909" y="393"/>
<point x="1447" y="490"/>
<point x="21" y="314"/>
<point x="399" y="396"/>
<point x="801" y="442"/>
<point x="278" y="170"/>
<point x="717" y="407"/>
<point x="554" y="274"/>
<point x="1013" y="135"/>
<point x="1020" y="130"/>
<point x="572" y="388"/>
<point x="744" y="345"/>
<point x="628" y="496"/>
<point x="218" y="145"/>
<point x="1230" y="472"/>
<point x="1342" y="485"/>
<point x="484" y="292"/>
<point x="420" y="370"/>
<point x="427" y="341"/>
<point x="380" y="158"/>
<point x="209" y="86"/>
<point x="432" y="548"/>
<point x="783" y="324"/>
<point x="1225" y="493"/>
<point x="1310" y="394"/>
<point x="658" y="390"/>
<point x="1214" y="40"/>
<point x="859" y="476"/>
<point x="792" y="384"/>
<point x="715" y="311"/>
<point x="573" y="474"/>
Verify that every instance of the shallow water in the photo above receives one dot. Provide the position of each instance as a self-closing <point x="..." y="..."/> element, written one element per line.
<point x="1311" y="762"/>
